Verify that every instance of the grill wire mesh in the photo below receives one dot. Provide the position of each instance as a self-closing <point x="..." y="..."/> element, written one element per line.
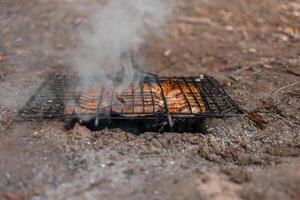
<point x="201" y="97"/>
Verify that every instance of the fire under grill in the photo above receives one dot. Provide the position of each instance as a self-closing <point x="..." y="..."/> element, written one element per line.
<point x="167" y="103"/>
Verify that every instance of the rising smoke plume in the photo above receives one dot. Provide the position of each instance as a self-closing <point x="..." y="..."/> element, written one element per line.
<point x="113" y="31"/>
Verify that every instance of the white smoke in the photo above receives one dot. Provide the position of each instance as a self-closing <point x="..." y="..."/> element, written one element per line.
<point x="114" y="30"/>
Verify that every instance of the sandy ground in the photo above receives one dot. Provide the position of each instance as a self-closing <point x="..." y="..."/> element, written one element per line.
<point x="251" y="46"/>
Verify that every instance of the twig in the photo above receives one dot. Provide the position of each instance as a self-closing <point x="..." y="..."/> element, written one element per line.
<point x="297" y="94"/>
<point x="233" y="77"/>
<point x="285" y="87"/>
<point x="292" y="71"/>
<point x="258" y="120"/>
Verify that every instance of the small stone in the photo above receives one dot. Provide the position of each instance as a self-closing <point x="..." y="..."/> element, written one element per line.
<point x="252" y="50"/>
<point x="296" y="14"/>
<point x="229" y="28"/>
<point x="36" y="135"/>
<point x="168" y="52"/>
<point x="284" y="38"/>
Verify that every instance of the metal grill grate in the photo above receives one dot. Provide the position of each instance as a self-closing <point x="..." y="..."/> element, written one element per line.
<point x="64" y="97"/>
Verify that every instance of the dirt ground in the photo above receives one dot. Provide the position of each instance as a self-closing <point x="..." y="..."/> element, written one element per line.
<point x="251" y="46"/>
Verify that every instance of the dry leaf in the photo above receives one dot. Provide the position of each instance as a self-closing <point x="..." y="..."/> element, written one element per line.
<point x="289" y="31"/>
<point x="226" y="15"/>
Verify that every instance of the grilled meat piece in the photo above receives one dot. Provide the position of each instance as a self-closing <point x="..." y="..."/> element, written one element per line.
<point x="139" y="100"/>
<point x="181" y="97"/>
